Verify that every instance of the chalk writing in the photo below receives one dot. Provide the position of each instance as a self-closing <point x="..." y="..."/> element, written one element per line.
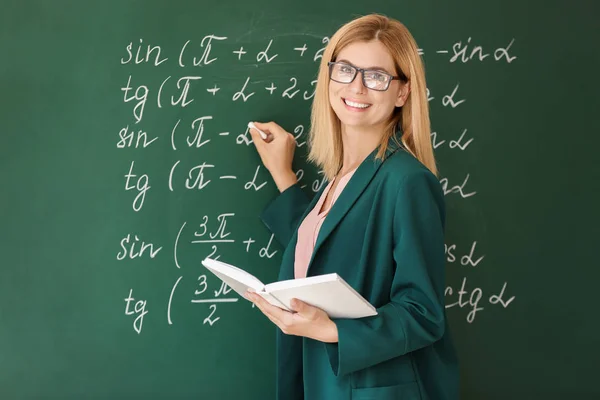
<point x="471" y="299"/>
<point x="465" y="52"/>
<point x="139" y="309"/>
<point x="204" y="158"/>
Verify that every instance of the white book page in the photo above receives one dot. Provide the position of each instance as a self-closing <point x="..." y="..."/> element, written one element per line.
<point x="334" y="296"/>
<point x="274" y="301"/>
<point x="236" y="278"/>
<point x="302" y="282"/>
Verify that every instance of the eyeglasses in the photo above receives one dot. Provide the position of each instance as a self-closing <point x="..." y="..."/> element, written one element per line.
<point x="373" y="79"/>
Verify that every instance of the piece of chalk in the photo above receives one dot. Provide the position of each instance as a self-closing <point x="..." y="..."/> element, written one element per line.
<point x="262" y="134"/>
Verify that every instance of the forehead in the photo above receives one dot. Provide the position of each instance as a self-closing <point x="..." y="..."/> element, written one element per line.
<point x="367" y="54"/>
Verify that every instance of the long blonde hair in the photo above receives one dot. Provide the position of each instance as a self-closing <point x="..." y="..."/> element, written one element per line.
<point x="325" y="136"/>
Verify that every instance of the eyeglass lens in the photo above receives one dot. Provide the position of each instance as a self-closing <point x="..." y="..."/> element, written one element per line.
<point x="372" y="79"/>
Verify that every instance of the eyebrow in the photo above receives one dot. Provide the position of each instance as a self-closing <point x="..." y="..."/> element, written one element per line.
<point x="374" y="67"/>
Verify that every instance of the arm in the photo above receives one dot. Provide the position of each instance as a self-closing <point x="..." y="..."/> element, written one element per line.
<point x="282" y="215"/>
<point x="414" y="318"/>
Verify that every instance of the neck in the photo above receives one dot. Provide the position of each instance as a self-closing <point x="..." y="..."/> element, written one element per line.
<point x="358" y="143"/>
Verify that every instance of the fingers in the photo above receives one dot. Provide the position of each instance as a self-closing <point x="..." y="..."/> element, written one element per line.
<point x="275" y="314"/>
<point x="304" y="309"/>
<point x="258" y="141"/>
<point x="254" y="132"/>
<point x="276" y="153"/>
<point x="270" y="316"/>
<point x="271" y="128"/>
<point x="308" y="311"/>
<point x="267" y="307"/>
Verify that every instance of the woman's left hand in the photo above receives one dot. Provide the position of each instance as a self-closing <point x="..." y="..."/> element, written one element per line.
<point x="308" y="321"/>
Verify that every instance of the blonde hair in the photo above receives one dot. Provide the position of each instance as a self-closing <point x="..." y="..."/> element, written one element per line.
<point x="325" y="136"/>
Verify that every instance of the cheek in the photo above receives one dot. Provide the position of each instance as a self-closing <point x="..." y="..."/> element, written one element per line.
<point x="334" y="90"/>
<point x="334" y="96"/>
<point x="387" y="103"/>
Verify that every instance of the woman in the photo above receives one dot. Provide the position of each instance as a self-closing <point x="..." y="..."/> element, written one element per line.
<point x="379" y="224"/>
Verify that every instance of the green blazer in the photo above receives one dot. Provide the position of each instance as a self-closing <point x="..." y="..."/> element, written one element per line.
<point x="385" y="236"/>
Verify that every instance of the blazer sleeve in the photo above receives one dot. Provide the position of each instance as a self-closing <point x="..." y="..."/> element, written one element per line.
<point x="415" y="316"/>
<point x="282" y="215"/>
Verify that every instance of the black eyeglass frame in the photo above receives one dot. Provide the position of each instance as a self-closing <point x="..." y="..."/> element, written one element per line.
<point x="330" y="64"/>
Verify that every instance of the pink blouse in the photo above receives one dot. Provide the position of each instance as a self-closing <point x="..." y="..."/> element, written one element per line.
<point x="309" y="229"/>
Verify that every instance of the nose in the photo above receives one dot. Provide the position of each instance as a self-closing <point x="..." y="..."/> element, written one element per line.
<point x="356" y="86"/>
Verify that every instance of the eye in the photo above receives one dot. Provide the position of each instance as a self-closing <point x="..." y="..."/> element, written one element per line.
<point x="378" y="76"/>
<point x="346" y="69"/>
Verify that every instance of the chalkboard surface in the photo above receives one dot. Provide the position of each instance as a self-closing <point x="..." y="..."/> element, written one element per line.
<point x="125" y="160"/>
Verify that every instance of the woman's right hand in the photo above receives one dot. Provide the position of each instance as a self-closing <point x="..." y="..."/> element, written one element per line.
<point x="276" y="152"/>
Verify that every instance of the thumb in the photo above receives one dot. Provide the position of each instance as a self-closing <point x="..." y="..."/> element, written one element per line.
<point x="302" y="308"/>
<point x="270" y="128"/>
<point x="257" y="136"/>
<point x="260" y="143"/>
<point x="297" y="305"/>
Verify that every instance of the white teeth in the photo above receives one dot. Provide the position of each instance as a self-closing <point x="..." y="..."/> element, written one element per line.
<point x="356" y="105"/>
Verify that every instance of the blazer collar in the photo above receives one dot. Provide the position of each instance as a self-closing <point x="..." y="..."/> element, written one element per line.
<point x="354" y="188"/>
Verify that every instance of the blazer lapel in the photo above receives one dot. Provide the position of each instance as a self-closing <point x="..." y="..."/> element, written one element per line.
<point x="354" y="188"/>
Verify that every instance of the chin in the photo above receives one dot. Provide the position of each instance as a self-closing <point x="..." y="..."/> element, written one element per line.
<point x="355" y="123"/>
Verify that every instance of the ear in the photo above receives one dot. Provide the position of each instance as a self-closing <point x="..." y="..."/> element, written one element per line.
<point x="403" y="94"/>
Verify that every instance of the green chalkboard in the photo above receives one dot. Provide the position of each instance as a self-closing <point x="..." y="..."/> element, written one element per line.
<point x="125" y="160"/>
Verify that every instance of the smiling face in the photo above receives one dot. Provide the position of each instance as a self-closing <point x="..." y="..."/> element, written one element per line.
<point x="355" y="105"/>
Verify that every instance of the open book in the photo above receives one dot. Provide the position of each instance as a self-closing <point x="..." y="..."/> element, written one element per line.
<point x="328" y="292"/>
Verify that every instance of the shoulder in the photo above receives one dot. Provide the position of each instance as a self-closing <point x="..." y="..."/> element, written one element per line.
<point x="415" y="190"/>
<point x="401" y="170"/>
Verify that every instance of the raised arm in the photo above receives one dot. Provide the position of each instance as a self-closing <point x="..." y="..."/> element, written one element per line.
<point x="282" y="215"/>
<point x="276" y="151"/>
